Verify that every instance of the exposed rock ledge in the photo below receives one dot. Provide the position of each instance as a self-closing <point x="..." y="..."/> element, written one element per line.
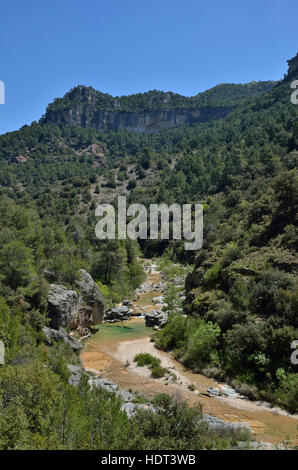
<point x="77" y="309"/>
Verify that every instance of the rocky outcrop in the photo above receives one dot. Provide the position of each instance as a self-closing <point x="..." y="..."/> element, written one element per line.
<point x="52" y="336"/>
<point x="63" y="305"/>
<point x="127" y="398"/>
<point x="219" y="425"/>
<point x="78" y="310"/>
<point x="86" y="107"/>
<point x="117" y="314"/>
<point x="76" y="374"/>
<point x="293" y="68"/>
<point x="156" y="318"/>
<point x="91" y="295"/>
<point x="148" y="112"/>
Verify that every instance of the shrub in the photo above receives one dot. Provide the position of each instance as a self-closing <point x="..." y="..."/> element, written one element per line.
<point x="212" y="275"/>
<point x="173" y="334"/>
<point x="157" y="372"/>
<point x="145" y="359"/>
<point x="201" y="341"/>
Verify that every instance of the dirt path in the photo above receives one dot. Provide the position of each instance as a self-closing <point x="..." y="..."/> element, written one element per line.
<point x="113" y="359"/>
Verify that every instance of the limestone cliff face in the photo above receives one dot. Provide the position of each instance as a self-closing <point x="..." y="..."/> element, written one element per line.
<point x="293" y="68"/>
<point x="86" y="112"/>
<point x="148" y="112"/>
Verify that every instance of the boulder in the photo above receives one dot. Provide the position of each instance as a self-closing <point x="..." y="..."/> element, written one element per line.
<point x="91" y="295"/>
<point x="118" y="313"/>
<point x="156" y="318"/>
<point x="63" y="305"/>
<point x="52" y="335"/>
<point x="76" y="309"/>
<point x="76" y="374"/>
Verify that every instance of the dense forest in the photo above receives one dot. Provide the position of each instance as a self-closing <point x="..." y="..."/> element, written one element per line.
<point x="242" y="296"/>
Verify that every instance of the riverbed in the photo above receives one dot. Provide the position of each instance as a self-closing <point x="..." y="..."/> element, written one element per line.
<point x="110" y="353"/>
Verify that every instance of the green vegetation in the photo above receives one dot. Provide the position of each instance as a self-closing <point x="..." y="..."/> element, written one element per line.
<point x="145" y="359"/>
<point x="221" y="95"/>
<point x="241" y="288"/>
<point x="40" y="411"/>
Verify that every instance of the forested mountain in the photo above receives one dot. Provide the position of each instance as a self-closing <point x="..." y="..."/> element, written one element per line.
<point x="148" y="112"/>
<point x="53" y="173"/>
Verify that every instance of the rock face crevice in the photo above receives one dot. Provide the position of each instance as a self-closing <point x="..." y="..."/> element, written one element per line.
<point x="78" y="309"/>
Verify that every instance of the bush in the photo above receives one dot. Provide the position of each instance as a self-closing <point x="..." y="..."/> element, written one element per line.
<point x="145" y="359"/>
<point x="201" y="342"/>
<point x="173" y="334"/>
<point x="212" y="275"/>
<point x="157" y="372"/>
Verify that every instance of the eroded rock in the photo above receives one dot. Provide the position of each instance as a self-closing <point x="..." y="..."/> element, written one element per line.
<point x="156" y="318"/>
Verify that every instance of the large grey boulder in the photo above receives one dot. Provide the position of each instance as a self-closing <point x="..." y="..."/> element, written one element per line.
<point x="156" y="318"/>
<point x="52" y="335"/>
<point x="78" y="309"/>
<point x="91" y="295"/>
<point x="76" y="374"/>
<point x="118" y="313"/>
<point x="63" y="305"/>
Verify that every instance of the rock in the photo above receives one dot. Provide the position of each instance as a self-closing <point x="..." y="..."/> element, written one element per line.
<point x="75" y="344"/>
<point x="67" y="308"/>
<point x="131" y="408"/>
<point x="103" y="383"/>
<point x="110" y="386"/>
<point x="216" y="424"/>
<point x="213" y="392"/>
<point x="229" y="392"/>
<point x="118" y="313"/>
<point x="125" y="396"/>
<point x="76" y="374"/>
<point x="91" y="295"/>
<point x="63" y="305"/>
<point x="156" y="317"/>
<point x="127" y="303"/>
<point x="52" y="335"/>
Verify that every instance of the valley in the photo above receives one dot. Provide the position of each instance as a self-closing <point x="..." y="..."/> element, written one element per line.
<point x="110" y="354"/>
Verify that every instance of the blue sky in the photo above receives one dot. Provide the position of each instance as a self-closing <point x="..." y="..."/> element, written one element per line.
<point x="130" y="46"/>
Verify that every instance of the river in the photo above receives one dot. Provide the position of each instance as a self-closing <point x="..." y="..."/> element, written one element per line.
<point x="110" y="353"/>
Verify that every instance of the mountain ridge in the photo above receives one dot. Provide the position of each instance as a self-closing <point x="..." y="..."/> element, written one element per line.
<point x="148" y="112"/>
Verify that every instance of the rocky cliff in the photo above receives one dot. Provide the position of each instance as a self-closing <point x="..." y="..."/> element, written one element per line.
<point x="293" y="68"/>
<point x="148" y="112"/>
